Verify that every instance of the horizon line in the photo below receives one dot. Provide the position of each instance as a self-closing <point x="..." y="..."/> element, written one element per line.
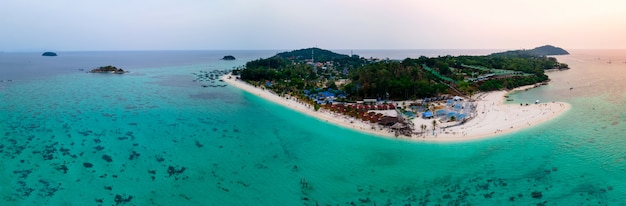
<point x="277" y="49"/>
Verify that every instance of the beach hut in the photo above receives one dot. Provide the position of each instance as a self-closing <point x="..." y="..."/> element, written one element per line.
<point x="461" y="116"/>
<point x="458" y="107"/>
<point x="369" y="101"/>
<point x="441" y="112"/>
<point x="452" y="114"/>
<point x="388" y="121"/>
<point x="427" y="115"/>
<point x="374" y="119"/>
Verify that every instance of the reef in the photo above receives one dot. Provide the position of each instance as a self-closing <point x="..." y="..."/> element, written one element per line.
<point x="122" y="199"/>
<point x="171" y="170"/>
<point x="107" y="158"/>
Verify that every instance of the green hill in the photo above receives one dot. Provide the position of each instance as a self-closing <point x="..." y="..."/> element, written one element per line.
<point x="320" y="55"/>
<point x="546" y="50"/>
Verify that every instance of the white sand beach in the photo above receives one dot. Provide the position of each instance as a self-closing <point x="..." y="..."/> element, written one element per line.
<point x="493" y="117"/>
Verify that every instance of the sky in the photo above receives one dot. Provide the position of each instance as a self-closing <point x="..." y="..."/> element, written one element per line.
<point x="91" y="25"/>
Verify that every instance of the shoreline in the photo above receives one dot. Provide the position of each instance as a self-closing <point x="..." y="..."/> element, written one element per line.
<point x="494" y="117"/>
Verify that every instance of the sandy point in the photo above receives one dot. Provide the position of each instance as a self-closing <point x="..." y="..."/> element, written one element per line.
<point x="492" y="116"/>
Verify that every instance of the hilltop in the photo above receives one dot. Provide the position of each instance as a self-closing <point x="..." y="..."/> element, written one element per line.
<point x="549" y="50"/>
<point x="546" y="50"/>
<point x="320" y="55"/>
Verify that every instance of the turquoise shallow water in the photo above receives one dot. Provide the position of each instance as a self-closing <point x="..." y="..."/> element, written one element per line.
<point x="154" y="137"/>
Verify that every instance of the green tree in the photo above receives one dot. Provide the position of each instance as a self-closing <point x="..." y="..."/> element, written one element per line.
<point x="331" y="84"/>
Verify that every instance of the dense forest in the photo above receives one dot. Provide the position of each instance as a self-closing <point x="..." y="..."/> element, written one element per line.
<point x="392" y="80"/>
<point x="358" y="78"/>
<point x="320" y="55"/>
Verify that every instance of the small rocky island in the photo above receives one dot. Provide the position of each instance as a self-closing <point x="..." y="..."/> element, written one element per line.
<point x="228" y="57"/>
<point x="108" y="69"/>
<point x="49" y="54"/>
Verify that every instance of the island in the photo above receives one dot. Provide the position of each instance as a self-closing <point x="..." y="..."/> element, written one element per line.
<point x="49" y="54"/>
<point x="542" y="51"/>
<point x="228" y="57"/>
<point x="108" y="69"/>
<point x="441" y="98"/>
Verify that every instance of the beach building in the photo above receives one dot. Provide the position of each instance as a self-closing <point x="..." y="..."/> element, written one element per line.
<point x="370" y="101"/>
<point x="441" y="112"/>
<point x="427" y="115"/>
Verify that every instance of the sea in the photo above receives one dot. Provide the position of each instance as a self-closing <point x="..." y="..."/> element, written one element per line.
<point x="154" y="136"/>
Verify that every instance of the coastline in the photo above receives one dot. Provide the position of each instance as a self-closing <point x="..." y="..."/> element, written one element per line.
<point x="493" y="118"/>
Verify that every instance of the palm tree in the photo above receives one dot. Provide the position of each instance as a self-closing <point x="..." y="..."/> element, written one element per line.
<point x="423" y="127"/>
<point x="434" y="126"/>
<point x="471" y="93"/>
<point x="431" y="108"/>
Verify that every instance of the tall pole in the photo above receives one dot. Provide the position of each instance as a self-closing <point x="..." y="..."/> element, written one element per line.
<point x="313" y="56"/>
